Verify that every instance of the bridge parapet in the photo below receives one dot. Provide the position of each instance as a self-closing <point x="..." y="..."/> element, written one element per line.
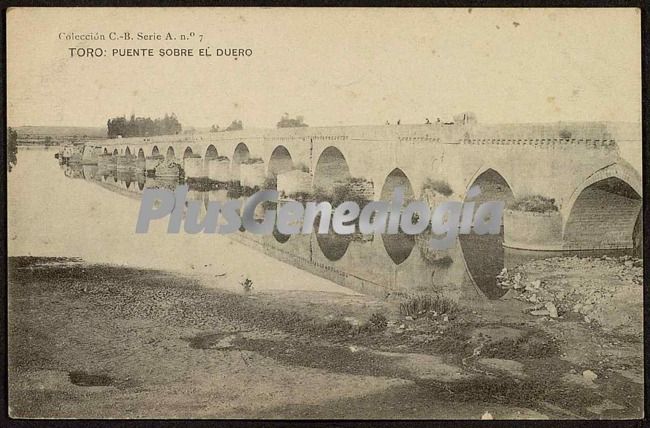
<point x="560" y="135"/>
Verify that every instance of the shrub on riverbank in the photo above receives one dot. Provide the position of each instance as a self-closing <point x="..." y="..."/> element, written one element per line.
<point x="417" y="306"/>
<point x="270" y="183"/>
<point x="204" y="184"/>
<point x="236" y="190"/>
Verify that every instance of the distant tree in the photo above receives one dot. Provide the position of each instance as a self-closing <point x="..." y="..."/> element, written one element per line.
<point x="143" y="127"/>
<point x="287" y="122"/>
<point x="565" y="134"/>
<point x="12" y="148"/>
<point x="236" y="125"/>
<point x="214" y="128"/>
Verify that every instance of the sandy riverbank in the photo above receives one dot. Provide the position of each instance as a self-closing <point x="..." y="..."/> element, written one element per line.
<point x="91" y="340"/>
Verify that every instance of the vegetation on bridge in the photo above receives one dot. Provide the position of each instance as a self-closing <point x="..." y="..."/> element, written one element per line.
<point x="534" y="203"/>
<point x="288" y="122"/>
<point x="439" y="186"/>
<point x="343" y="191"/>
<point x="252" y="161"/>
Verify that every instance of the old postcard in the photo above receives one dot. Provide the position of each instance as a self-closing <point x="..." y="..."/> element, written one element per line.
<point x="324" y="213"/>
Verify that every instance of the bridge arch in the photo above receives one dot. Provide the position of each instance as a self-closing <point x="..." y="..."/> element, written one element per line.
<point x="211" y="152"/>
<point x="127" y="152"/>
<point x="155" y="151"/>
<point x="240" y="155"/>
<point x="493" y="184"/>
<point x="605" y="211"/>
<point x="187" y="152"/>
<point x="141" y="153"/>
<point x="116" y="152"/>
<point x="331" y="168"/>
<point x="483" y="255"/>
<point x="398" y="246"/>
<point x="279" y="162"/>
<point x="170" y="153"/>
<point x="332" y="245"/>
<point x="621" y="169"/>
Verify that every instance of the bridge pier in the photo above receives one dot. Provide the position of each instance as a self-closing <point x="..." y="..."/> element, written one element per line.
<point x="112" y="163"/>
<point x="104" y="161"/>
<point x="90" y="155"/>
<point x="125" y="162"/>
<point x="170" y="168"/>
<point x="218" y="169"/>
<point x="252" y="174"/>
<point x="193" y="165"/>
<point x="140" y="164"/>
<point x="532" y="231"/>
<point x="292" y="182"/>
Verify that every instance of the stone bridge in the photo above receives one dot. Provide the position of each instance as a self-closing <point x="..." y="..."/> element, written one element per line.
<point x="585" y="167"/>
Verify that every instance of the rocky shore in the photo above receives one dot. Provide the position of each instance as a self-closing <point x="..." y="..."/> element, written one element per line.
<point x="605" y="291"/>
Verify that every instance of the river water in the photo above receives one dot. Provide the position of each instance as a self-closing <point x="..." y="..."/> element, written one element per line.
<point x="57" y="210"/>
<point x="52" y="214"/>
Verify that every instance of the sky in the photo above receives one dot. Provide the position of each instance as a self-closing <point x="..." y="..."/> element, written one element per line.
<point x="332" y="66"/>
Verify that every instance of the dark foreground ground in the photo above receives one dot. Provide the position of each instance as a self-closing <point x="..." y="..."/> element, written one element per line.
<point x="95" y="341"/>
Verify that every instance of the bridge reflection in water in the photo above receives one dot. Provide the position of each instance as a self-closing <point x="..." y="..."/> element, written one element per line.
<point x="384" y="263"/>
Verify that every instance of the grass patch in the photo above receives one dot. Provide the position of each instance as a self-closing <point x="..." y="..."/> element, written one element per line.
<point x="422" y="305"/>
<point x="528" y="346"/>
<point x="338" y="327"/>
<point x="376" y="323"/>
<point x="516" y="392"/>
